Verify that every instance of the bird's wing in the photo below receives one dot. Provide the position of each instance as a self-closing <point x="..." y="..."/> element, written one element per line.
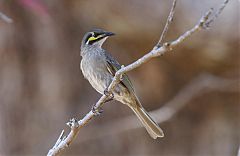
<point x="113" y="66"/>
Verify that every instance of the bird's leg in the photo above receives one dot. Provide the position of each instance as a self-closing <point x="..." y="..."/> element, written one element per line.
<point x="108" y="100"/>
<point x="110" y="95"/>
<point x="96" y="111"/>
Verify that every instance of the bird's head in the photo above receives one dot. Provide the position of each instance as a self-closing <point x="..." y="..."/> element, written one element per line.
<point x="96" y="37"/>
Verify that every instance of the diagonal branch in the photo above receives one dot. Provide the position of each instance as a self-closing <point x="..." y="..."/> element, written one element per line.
<point x="75" y="125"/>
<point x="199" y="86"/>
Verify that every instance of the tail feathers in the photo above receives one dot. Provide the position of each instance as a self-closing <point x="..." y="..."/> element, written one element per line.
<point x="152" y="127"/>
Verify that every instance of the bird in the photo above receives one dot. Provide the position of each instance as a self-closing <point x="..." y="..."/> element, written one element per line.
<point x="99" y="67"/>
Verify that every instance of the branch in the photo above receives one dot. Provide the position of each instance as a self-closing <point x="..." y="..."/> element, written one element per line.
<point x="169" y="21"/>
<point x="202" y="84"/>
<point x="218" y="12"/>
<point x="64" y="141"/>
<point x="5" y="18"/>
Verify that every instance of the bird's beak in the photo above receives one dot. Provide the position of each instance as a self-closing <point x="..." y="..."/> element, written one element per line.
<point x="109" y="34"/>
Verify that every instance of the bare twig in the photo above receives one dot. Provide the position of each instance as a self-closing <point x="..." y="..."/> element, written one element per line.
<point x="5" y="18"/>
<point x="155" y="52"/>
<point x="169" y="21"/>
<point x="218" y="12"/>
<point x="202" y="84"/>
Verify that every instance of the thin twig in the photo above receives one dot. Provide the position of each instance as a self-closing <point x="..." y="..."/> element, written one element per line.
<point x="218" y="12"/>
<point x="169" y="21"/>
<point x="155" y="52"/>
<point x="5" y="18"/>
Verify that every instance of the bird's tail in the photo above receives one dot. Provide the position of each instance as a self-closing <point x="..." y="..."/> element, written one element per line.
<point x="151" y="126"/>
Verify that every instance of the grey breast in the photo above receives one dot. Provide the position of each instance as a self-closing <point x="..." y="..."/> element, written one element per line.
<point x="94" y="69"/>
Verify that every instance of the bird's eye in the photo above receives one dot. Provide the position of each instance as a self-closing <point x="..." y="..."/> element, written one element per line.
<point x="94" y="35"/>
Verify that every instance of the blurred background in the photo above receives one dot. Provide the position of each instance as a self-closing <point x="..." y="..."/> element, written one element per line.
<point x="42" y="87"/>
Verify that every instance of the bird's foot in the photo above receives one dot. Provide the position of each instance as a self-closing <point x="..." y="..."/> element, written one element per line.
<point x="108" y="100"/>
<point x="110" y="95"/>
<point x="97" y="111"/>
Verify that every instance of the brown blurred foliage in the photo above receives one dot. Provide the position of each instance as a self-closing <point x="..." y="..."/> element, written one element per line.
<point x="41" y="85"/>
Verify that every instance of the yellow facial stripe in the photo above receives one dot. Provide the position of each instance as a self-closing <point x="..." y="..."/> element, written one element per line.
<point x="94" y="38"/>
